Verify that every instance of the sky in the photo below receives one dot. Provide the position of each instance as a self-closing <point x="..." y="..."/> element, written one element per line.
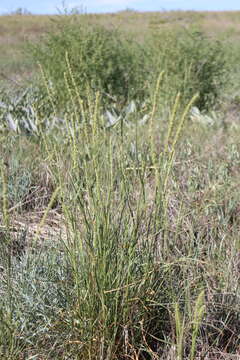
<point x="98" y="6"/>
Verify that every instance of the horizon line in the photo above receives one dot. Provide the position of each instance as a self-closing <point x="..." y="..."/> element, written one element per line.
<point x="76" y="11"/>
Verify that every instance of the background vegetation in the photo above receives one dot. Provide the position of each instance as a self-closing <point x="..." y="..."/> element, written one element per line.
<point x="120" y="156"/>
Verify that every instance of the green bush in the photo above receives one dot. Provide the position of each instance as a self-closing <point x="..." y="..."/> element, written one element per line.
<point x="120" y="69"/>
<point x="192" y="63"/>
<point x="100" y="59"/>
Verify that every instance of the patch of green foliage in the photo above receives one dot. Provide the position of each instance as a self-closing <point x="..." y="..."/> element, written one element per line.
<point x="121" y="69"/>
<point x="193" y="63"/>
<point x="101" y="59"/>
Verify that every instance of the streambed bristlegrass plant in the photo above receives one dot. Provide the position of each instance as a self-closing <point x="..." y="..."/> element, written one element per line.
<point x="115" y="244"/>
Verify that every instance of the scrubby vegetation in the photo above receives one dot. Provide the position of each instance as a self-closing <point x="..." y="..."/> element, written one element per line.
<point x="99" y="58"/>
<point x="119" y="194"/>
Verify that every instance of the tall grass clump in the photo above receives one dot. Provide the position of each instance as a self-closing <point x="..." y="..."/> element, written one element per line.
<point x="117" y="241"/>
<point x="102" y="60"/>
<point x="193" y="63"/>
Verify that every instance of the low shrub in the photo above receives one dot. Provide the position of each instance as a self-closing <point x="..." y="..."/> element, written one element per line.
<point x="101" y="59"/>
<point x="193" y="63"/>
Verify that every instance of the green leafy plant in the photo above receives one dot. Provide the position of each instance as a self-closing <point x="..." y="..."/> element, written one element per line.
<point x="193" y="63"/>
<point x="101" y="59"/>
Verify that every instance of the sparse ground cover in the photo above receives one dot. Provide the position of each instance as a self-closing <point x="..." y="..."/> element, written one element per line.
<point x="120" y="188"/>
